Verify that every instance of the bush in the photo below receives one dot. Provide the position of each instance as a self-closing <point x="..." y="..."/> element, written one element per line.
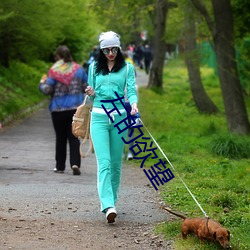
<point x="223" y="200"/>
<point x="19" y="88"/>
<point x="231" y="146"/>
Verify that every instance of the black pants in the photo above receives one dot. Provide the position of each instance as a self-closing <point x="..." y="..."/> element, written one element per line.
<point x="62" y="122"/>
<point x="147" y="66"/>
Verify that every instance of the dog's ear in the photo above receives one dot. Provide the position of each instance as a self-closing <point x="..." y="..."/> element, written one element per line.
<point x="228" y="237"/>
<point x="214" y="235"/>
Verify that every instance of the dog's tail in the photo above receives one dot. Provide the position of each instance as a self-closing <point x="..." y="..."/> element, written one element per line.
<point x="175" y="213"/>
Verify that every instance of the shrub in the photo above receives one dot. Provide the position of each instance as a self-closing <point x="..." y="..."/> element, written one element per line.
<point x="231" y="146"/>
<point x="223" y="200"/>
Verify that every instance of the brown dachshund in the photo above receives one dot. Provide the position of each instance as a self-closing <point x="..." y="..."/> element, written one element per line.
<point x="204" y="229"/>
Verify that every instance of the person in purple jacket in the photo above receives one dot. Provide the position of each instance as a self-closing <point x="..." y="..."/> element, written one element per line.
<point x="65" y="83"/>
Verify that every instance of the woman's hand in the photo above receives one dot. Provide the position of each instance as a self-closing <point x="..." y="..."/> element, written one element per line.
<point x="90" y="91"/>
<point x="134" y="109"/>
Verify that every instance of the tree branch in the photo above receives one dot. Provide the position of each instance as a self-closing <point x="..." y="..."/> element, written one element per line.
<point x="202" y="9"/>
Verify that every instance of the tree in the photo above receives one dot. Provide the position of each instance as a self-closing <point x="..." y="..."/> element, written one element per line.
<point x="241" y="17"/>
<point x="159" y="44"/>
<point x="127" y="17"/>
<point x="28" y="33"/>
<point x="201" y="99"/>
<point x="242" y="33"/>
<point x="223" y="38"/>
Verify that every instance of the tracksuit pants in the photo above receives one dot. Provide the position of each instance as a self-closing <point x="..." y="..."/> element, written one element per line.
<point x="108" y="147"/>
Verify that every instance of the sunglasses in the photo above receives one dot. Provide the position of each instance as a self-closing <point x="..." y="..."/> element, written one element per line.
<point x="106" y="51"/>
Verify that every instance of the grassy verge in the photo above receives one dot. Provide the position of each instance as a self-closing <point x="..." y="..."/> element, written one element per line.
<point x="19" y="88"/>
<point x="214" y="164"/>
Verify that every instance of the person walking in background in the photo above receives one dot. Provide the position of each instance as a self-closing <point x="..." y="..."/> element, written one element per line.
<point x="147" y="54"/>
<point x="127" y="58"/>
<point x="92" y="57"/>
<point x="65" y="84"/>
<point x="139" y="56"/>
<point x="107" y="75"/>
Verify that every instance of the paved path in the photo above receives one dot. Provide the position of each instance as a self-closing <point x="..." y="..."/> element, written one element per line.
<point x="31" y="191"/>
<point x="141" y="78"/>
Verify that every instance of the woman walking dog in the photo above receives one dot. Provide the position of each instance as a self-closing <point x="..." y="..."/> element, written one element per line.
<point x="108" y="75"/>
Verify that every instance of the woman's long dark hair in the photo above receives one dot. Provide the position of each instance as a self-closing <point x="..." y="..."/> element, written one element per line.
<point x="102" y="67"/>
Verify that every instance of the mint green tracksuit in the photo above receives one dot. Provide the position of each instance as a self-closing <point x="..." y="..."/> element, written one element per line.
<point x="108" y="144"/>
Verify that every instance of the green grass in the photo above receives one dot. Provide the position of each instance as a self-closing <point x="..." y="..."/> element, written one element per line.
<point x="19" y="88"/>
<point x="214" y="164"/>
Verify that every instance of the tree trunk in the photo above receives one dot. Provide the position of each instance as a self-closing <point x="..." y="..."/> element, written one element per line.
<point x="159" y="47"/>
<point x="223" y="38"/>
<point x="201" y="99"/>
<point x="235" y="109"/>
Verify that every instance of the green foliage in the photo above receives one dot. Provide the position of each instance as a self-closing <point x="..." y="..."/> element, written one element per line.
<point x="29" y="33"/>
<point x="243" y="59"/>
<point x="175" y="28"/>
<point x="219" y="183"/>
<point x="231" y="146"/>
<point x="19" y="87"/>
<point x="128" y="18"/>
<point x="241" y="17"/>
<point x="175" y="24"/>
<point x="224" y="200"/>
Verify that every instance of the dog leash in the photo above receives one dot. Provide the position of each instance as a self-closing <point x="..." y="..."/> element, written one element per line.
<point x="172" y="166"/>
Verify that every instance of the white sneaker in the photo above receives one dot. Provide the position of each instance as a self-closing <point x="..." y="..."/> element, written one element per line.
<point x="58" y="171"/>
<point x="129" y="156"/>
<point x="111" y="214"/>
